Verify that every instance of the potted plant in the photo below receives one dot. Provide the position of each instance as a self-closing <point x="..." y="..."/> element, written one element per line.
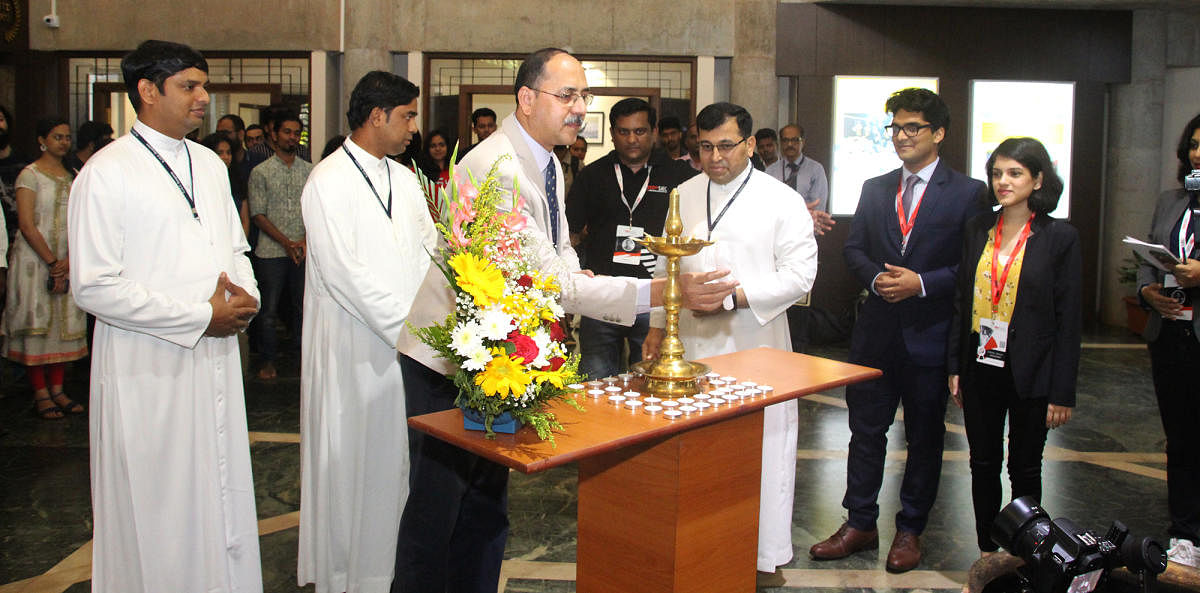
<point x="1135" y="316"/>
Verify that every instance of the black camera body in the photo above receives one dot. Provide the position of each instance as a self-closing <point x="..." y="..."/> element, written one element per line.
<point x="1062" y="557"/>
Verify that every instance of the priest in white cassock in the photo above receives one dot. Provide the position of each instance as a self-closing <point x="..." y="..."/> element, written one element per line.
<point x="455" y="523"/>
<point x="369" y="234"/>
<point x="764" y="236"/>
<point x="159" y="257"/>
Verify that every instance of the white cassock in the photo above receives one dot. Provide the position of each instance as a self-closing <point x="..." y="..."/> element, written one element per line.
<point x="361" y="277"/>
<point x="766" y="239"/>
<point x="172" y="494"/>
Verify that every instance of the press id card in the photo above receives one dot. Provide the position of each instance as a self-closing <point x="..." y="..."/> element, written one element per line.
<point x="627" y="251"/>
<point x="1171" y="288"/>
<point x="993" y="342"/>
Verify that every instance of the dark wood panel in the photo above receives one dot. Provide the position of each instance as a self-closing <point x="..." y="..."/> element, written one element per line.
<point x="963" y="42"/>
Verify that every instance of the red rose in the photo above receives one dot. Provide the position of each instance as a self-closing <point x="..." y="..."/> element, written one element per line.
<point x="525" y="281"/>
<point x="525" y="346"/>
<point x="557" y="362"/>
<point x="556" y="332"/>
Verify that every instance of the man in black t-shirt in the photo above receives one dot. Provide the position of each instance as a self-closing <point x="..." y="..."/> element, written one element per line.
<point x="613" y="201"/>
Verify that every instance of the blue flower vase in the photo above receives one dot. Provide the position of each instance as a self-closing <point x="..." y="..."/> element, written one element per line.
<point x="505" y="423"/>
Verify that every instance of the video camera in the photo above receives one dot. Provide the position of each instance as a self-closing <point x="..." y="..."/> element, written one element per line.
<point x="1061" y="557"/>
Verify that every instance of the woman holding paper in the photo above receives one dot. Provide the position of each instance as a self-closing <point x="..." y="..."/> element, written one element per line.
<point x="1015" y="339"/>
<point x="1174" y="350"/>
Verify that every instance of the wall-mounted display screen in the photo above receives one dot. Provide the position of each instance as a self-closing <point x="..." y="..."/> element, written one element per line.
<point x="1004" y="109"/>
<point x="862" y="149"/>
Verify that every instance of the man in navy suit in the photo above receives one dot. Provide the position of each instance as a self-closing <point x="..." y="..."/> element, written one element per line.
<point x="904" y="245"/>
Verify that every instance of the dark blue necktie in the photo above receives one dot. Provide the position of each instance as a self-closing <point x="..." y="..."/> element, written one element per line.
<point x="552" y="199"/>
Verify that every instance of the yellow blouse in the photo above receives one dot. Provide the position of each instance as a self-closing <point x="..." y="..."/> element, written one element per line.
<point x="982" y="303"/>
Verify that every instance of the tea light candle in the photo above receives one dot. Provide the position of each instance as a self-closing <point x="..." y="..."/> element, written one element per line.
<point x="633" y="404"/>
<point x="684" y="401"/>
<point x="652" y="410"/>
<point x="632" y="394"/>
<point x="616" y="400"/>
<point x="651" y="400"/>
<point x="702" y="406"/>
<point x="688" y="409"/>
<point x="595" y="393"/>
<point x="669" y="403"/>
<point x="575" y="387"/>
<point x="766" y="390"/>
<point x="672" y="414"/>
<point x="729" y="379"/>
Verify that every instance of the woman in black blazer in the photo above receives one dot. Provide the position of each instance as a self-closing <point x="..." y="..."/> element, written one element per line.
<point x="1174" y="350"/>
<point x="1025" y="365"/>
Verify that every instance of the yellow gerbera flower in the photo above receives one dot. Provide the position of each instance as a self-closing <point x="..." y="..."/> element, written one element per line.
<point x="502" y="376"/>
<point x="554" y="377"/>
<point x="478" y="278"/>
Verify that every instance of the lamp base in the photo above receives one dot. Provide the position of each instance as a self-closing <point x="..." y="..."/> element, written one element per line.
<point x="681" y="382"/>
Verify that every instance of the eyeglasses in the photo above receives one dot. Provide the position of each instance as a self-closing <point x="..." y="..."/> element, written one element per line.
<point x="789" y="140"/>
<point x="568" y="97"/>
<point x="724" y="148"/>
<point x="910" y="130"/>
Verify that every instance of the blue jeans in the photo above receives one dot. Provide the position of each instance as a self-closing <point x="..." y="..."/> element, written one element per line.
<point x="601" y="345"/>
<point x="277" y="275"/>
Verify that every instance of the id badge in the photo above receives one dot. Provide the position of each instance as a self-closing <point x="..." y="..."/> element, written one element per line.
<point x="1172" y="289"/>
<point x="993" y="342"/>
<point x="627" y="251"/>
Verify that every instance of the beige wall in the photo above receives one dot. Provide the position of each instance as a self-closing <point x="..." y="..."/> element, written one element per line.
<point x="680" y="27"/>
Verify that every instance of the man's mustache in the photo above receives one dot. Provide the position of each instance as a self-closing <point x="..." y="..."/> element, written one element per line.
<point x="574" y="120"/>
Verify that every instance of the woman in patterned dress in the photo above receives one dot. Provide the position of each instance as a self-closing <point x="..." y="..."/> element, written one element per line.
<point x="43" y="329"/>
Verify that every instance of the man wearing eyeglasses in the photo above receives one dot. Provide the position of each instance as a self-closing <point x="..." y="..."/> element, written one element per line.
<point x="798" y="171"/>
<point x="904" y="245"/>
<point x="615" y="200"/>
<point x="765" y="236"/>
<point x="455" y="523"/>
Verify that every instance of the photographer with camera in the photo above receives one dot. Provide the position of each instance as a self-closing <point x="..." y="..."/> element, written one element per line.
<point x="1174" y="349"/>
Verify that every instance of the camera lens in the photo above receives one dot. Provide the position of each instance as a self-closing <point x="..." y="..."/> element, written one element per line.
<point x="1021" y="526"/>
<point x="1143" y="553"/>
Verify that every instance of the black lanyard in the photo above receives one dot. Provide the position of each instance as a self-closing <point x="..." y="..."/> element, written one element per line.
<point x="387" y="209"/>
<point x="712" y="224"/>
<point x="187" y="196"/>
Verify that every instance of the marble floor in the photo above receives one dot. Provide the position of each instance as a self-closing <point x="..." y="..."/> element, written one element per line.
<point x="1106" y="464"/>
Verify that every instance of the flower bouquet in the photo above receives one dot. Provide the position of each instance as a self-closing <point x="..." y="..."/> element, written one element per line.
<point x="505" y="335"/>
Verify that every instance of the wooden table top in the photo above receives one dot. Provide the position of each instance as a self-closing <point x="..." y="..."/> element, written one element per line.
<point x="602" y="427"/>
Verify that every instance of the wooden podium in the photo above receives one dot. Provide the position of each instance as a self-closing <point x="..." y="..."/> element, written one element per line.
<point x="664" y="505"/>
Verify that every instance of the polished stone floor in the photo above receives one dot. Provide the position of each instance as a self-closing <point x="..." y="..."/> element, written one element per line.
<point x="1106" y="464"/>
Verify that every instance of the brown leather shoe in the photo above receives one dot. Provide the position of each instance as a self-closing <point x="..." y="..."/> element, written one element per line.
<point x="846" y="541"/>
<point x="905" y="554"/>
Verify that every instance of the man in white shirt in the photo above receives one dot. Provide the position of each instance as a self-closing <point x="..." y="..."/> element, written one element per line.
<point x="765" y="236"/>
<point x="368" y="232"/>
<point x="153" y="231"/>
<point x="455" y="522"/>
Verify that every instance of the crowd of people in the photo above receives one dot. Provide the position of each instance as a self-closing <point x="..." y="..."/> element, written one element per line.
<point x="973" y="296"/>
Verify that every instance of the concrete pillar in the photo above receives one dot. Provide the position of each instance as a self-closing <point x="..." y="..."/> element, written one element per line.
<point x="754" y="83"/>
<point x="358" y="61"/>
<point x="1134" y="156"/>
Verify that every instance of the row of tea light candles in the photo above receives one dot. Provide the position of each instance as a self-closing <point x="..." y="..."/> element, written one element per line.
<point x="715" y="391"/>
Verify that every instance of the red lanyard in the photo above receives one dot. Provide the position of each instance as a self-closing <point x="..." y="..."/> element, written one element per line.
<point x="998" y="282"/>
<point x="906" y="224"/>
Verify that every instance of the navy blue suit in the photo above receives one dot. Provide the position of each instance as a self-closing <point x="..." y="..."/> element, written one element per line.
<point x="907" y="340"/>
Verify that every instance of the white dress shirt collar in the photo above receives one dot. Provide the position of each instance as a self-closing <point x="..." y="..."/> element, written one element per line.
<point x="924" y="174"/>
<point x="540" y="154"/>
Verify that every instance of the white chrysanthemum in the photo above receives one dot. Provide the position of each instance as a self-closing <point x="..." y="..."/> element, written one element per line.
<point x="541" y="338"/>
<point x="495" y="324"/>
<point x="477" y="359"/>
<point x="466" y="339"/>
